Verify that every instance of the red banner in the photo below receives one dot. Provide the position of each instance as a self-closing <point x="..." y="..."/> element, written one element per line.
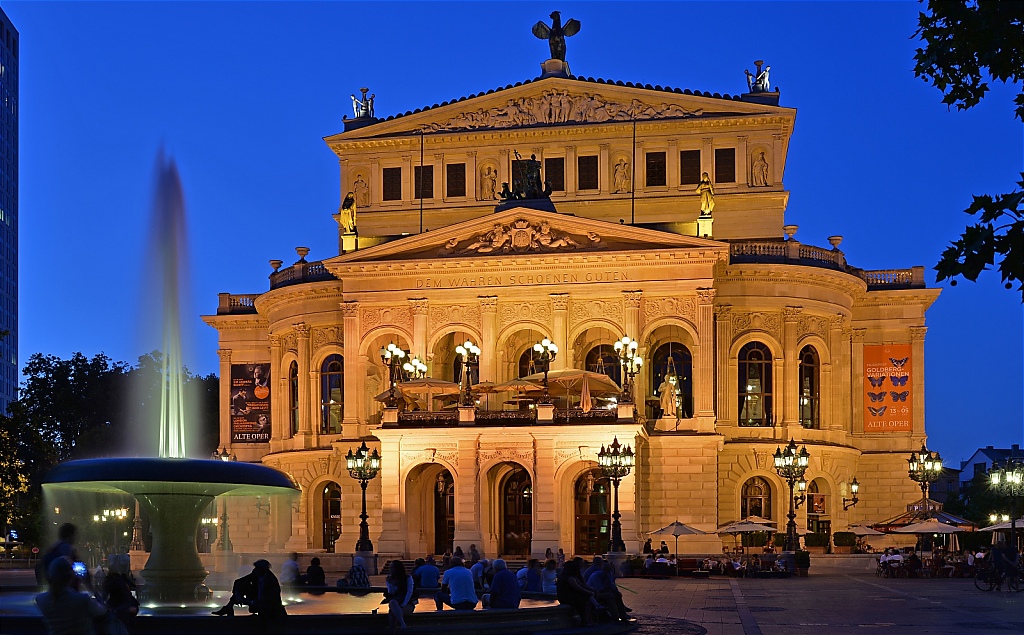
<point x="888" y="388"/>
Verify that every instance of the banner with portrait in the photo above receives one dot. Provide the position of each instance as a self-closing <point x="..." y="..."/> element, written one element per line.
<point x="250" y="403"/>
<point x="888" y="388"/>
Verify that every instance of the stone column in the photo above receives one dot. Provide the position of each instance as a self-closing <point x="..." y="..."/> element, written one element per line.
<point x="503" y="170"/>
<point x="791" y="370"/>
<point x="570" y="170"/>
<point x="353" y="375"/>
<point x="560" y="330"/>
<point x="439" y="192"/>
<point x="631" y="304"/>
<point x="419" y="327"/>
<point x="839" y="351"/>
<point x="315" y="405"/>
<point x="704" y="386"/>
<point x="408" y="195"/>
<point x="392" y="507"/>
<point x="603" y="168"/>
<point x="467" y="494"/>
<point x="489" y="335"/>
<point x="917" y="360"/>
<point x="672" y="164"/>
<point x="546" y="528"/>
<point x="639" y="171"/>
<point x="857" y="382"/>
<point x="778" y="149"/>
<point x="707" y="156"/>
<point x="376" y="183"/>
<point x="305" y="435"/>
<point x="279" y="397"/>
<point x="225" y="398"/>
<point x="472" y="189"/>
<point x="742" y="171"/>
<point x="723" y="342"/>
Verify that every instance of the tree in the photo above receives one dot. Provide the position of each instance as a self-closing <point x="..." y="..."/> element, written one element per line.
<point x="968" y="42"/>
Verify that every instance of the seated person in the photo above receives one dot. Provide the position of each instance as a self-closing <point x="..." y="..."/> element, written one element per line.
<point x="259" y="590"/>
<point x="457" y="589"/>
<point x="357" y="577"/>
<point x="608" y="594"/>
<point x="534" y="576"/>
<point x="573" y="591"/>
<point x="596" y="566"/>
<point x="479" y="573"/>
<point x="315" y="575"/>
<point x="648" y="563"/>
<point x="504" y="589"/>
<point x="427" y="575"/>
<point x="400" y="595"/>
<point x="290" y="570"/>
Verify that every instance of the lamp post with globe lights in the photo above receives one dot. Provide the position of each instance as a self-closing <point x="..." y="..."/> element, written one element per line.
<point x="392" y="356"/>
<point x="363" y="467"/>
<point x="631" y="361"/>
<point x="469" y="355"/>
<point x="924" y="467"/>
<point x="1007" y="479"/>
<point x="544" y="352"/>
<point x="415" y="368"/>
<point x="616" y="464"/>
<point x="791" y="466"/>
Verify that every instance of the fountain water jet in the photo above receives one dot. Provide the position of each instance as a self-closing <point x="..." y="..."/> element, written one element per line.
<point x="173" y="490"/>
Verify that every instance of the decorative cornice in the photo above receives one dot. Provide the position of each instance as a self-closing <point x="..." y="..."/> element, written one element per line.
<point x="560" y="301"/>
<point x="224" y="354"/>
<point x="419" y="306"/>
<point x="632" y="299"/>
<point x="301" y="330"/>
<point x="917" y="333"/>
<point x="488" y="303"/>
<point x="791" y="313"/>
<point x="706" y="296"/>
<point x="350" y="308"/>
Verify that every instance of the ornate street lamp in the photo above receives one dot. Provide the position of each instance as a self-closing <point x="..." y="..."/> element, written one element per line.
<point x="544" y="352"/>
<point x="924" y="468"/>
<point x="469" y="354"/>
<point x="1007" y="479"/>
<point x="415" y="368"/>
<point x="363" y="467"/>
<point x="801" y="488"/>
<point x="791" y="466"/>
<point x="392" y="357"/>
<point x="616" y="464"/>
<point x="631" y="361"/>
<point x="854" y="489"/>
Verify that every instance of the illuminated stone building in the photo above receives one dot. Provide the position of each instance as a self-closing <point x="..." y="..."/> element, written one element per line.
<point x="768" y="338"/>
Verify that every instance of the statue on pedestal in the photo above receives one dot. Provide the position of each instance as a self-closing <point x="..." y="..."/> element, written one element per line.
<point x="363" y="108"/>
<point x="707" y="195"/>
<point x="667" y="394"/>
<point x="758" y="82"/>
<point x="556" y="34"/>
<point x="348" y="213"/>
<point x="759" y="171"/>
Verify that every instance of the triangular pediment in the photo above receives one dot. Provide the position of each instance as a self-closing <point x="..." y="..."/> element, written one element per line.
<point x="559" y="101"/>
<point x="521" y="231"/>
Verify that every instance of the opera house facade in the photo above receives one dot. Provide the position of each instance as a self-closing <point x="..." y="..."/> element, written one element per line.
<point x="577" y="211"/>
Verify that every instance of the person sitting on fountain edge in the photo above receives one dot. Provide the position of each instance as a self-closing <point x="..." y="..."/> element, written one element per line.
<point x="456" y="588"/>
<point x="259" y="590"/>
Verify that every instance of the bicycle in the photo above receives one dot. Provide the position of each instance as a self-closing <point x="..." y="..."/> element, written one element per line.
<point x="988" y="578"/>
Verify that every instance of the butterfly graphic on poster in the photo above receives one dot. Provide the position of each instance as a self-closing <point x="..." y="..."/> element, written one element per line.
<point x="898" y="363"/>
<point x="876" y="382"/>
<point x="900" y="396"/>
<point x="899" y="381"/>
<point x="878" y="412"/>
<point x="877" y="396"/>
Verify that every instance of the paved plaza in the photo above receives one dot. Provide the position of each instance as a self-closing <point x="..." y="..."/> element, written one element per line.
<point x="833" y="602"/>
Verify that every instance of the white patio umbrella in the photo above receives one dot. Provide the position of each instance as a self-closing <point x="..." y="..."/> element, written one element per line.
<point x="861" y="530"/>
<point x="586" y="403"/>
<point x="1005" y="526"/>
<point x="760" y="520"/>
<point x="430" y="387"/>
<point x="677" y="529"/>
<point x="930" y="526"/>
<point x="569" y="381"/>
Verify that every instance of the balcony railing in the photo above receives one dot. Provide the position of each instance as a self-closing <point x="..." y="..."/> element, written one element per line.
<point x="514" y="418"/>
<point x="300" y="272"/>
<point x="879" y="279"/>
<point x="794" y="252"/>
<point x="236" y="303"/>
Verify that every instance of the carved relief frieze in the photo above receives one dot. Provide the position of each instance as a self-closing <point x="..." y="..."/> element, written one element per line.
<point x="290" y="341"/>
<point x="670" y="307"/>
<point x="761" y="459"/>
<point x="522" y="455"/>
<point x="322" y="336"/>
<point x="812" y="325"/>
<point x="770" y="323"/>
<point x="451" y="457"/>
<point x="564" y="455"/>
<point x="386" y="316"/>
<point x="514" y="311"/>
<point x="519" y="236"/>
<point x="583" y="310"/>
<point x="556" y="107"/>
<point x="454" y="314"/>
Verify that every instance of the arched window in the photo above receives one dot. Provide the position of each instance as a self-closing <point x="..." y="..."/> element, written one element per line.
<point x="603" y="359"/>
<point x="593" y="512"/>
<point x="293" y="397"/>
<point x="809" y="388"/>
<point x="755" y="385"/>
<point x="332" y="394"/>
<point x="756" y="498"/>
<point x="674" y="359"/>
<point x="526" y="365"/>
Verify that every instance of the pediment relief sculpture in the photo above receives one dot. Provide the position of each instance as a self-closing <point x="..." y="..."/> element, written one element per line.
<point x="559" y="106"/>
<point x="520" y="236"/>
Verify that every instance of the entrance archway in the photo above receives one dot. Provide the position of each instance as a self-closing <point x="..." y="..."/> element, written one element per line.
<point x="429" y="519"/>
<point x="592" y="505"/>
<point x="444" y="513"/>
<point x="330" y="506"/>
<point x="516" y="496"/>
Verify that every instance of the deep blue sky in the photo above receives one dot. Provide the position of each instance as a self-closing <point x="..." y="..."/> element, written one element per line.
<point x="240" y="94"/>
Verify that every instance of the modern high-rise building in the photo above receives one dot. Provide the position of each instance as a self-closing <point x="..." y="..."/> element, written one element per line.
<point x="9" y="39"/>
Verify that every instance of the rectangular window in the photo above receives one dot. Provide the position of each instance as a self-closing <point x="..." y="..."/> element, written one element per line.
<point x="554" y="172"/>
<point x="725" y="165"/>
<point x="424" y="177"/>
<point x="655" y="169"/>
<point x="689" y="167"/>
<point x="456" y="185"/>
<point x="392" y="186"/>
<point x="586" y="173"/>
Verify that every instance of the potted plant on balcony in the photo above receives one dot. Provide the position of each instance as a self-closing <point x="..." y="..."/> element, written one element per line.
<point x="816" y="543"/>
<point x="802" y="562"/>
<point x="843" y="542"/>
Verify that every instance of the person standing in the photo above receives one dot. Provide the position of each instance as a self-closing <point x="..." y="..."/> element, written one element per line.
<point x="65" y="609"/>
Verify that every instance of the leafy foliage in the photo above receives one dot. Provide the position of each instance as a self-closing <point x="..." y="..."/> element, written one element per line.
<point x="967" y="42"/>
<point x="976" y="501"/>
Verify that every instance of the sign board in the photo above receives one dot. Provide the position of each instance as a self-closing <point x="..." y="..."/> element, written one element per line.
<point x="888" y="388"/>
<point x="250" y="403"/>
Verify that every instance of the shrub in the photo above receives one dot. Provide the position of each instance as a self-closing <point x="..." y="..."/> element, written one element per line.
<point x="844" y="539"/>
<point x="816" y="540"/>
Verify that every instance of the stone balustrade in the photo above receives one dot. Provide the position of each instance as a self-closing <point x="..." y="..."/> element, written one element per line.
<point x="878" y="279"/>
<point x="300" y="272"/>
<point x="794" y="252"/>
<point x="236" y="303"/>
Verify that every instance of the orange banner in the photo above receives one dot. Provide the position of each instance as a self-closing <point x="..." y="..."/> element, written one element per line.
<point x="888" y="388"/>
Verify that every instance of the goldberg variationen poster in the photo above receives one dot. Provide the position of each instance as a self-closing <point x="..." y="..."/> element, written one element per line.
<point x="250" y="403"/>
<point x="888" y="388"/>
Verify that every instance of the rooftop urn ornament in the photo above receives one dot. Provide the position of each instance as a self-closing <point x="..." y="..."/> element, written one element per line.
<point x="363" y="107"/>
<point x="758" y="82"/>
<point x="556" y="34"/>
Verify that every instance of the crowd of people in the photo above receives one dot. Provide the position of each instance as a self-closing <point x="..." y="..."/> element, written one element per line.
<point x="943" y="563"/>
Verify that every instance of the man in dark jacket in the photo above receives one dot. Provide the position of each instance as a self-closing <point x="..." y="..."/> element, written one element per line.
<point x="259" y="590"/>
<point x="504" y="588"/>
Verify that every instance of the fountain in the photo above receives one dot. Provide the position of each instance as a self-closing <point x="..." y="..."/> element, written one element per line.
<point x="173" y="490"/>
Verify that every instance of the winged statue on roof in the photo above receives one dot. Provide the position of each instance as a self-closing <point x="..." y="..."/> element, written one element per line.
<point x="556" y="33"/>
